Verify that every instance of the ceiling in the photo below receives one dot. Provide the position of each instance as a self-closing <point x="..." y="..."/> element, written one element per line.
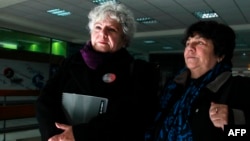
<point x="173" y="17"/>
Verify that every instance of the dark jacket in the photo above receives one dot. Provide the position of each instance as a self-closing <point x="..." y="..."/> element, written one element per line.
<point x="225" y="89"/>
<point x="232" y="92"/>
<point x="132" y="97"/>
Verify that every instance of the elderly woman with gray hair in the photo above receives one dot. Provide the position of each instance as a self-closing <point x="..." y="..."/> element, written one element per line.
<point x="102" y="68"/>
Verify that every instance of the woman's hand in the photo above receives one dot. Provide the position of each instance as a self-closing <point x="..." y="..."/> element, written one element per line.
<point x="218" y="114"/>
<point x="67" y="135"/>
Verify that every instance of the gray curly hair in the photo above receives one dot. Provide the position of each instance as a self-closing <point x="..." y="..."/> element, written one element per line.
<point x="118" y="12"/>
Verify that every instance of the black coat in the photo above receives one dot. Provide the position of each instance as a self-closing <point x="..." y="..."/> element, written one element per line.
<point x="225" y="89"/>
<point x="234" y="93"/>
<point x="132" y="98"/>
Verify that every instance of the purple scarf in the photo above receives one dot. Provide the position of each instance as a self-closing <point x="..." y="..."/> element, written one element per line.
<point x="91" y="57"/>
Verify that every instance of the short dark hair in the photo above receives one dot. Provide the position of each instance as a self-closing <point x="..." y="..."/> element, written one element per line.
<point x="222" y="36"/>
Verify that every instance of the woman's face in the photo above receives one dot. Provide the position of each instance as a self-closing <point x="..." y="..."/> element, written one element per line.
<point x="199" y="55"/>
<point x="107" y="36"/>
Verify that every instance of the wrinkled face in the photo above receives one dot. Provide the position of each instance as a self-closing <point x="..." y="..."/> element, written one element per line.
<point x="199" y="55"/>
<point x="107" y="36"/>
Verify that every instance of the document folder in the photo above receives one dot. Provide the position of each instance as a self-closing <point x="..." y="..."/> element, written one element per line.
<point x="82" y="108"/>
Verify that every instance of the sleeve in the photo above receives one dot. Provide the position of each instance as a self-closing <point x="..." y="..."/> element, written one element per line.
<point x="48" y="105"/>
<point x="239" y="113"/>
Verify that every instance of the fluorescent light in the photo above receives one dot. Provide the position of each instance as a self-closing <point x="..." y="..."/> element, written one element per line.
<point x="167" y="48"/>
<point x="59" y="12"/>
<point x="206" y="14"/>
<point x="8" y="45"/>
<point x="146" y="20"/>
<point x="102" y="1"/>
<point x="149" y="42"/>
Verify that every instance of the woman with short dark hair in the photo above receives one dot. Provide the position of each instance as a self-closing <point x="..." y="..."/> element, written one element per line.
<point x="203" y="99"/>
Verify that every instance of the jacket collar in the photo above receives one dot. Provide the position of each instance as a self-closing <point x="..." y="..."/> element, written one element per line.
<point x="219" y="81"/>
<point x="212" y="86"/>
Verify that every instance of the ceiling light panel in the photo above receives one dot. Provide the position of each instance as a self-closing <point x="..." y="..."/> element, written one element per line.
<point x="206" y="14"/>
<point x="146" y="20"/>
<point x="59" y="12"/>
<point x="103" y="1"/>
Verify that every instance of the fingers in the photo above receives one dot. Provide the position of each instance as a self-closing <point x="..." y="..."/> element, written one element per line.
<point x="214" y="109"/>
<point x="55" y="138"/>
<point x="58" y="125"/>
<point x="61" y="126"/>
<point x="218" y="114"/>
<point x="66" y="135"/>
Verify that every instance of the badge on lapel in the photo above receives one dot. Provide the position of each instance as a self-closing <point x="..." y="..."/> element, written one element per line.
<point x="109" y="77"/>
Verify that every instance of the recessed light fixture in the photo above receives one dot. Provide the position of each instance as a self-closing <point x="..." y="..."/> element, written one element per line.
<point x="167" y="47"/>
<point x="103" y="1"/>
<point x="149" y="41"/>
<point x="59" y="12"/>
<point x="206" y="14"/>
<point x="146" y="20"/>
